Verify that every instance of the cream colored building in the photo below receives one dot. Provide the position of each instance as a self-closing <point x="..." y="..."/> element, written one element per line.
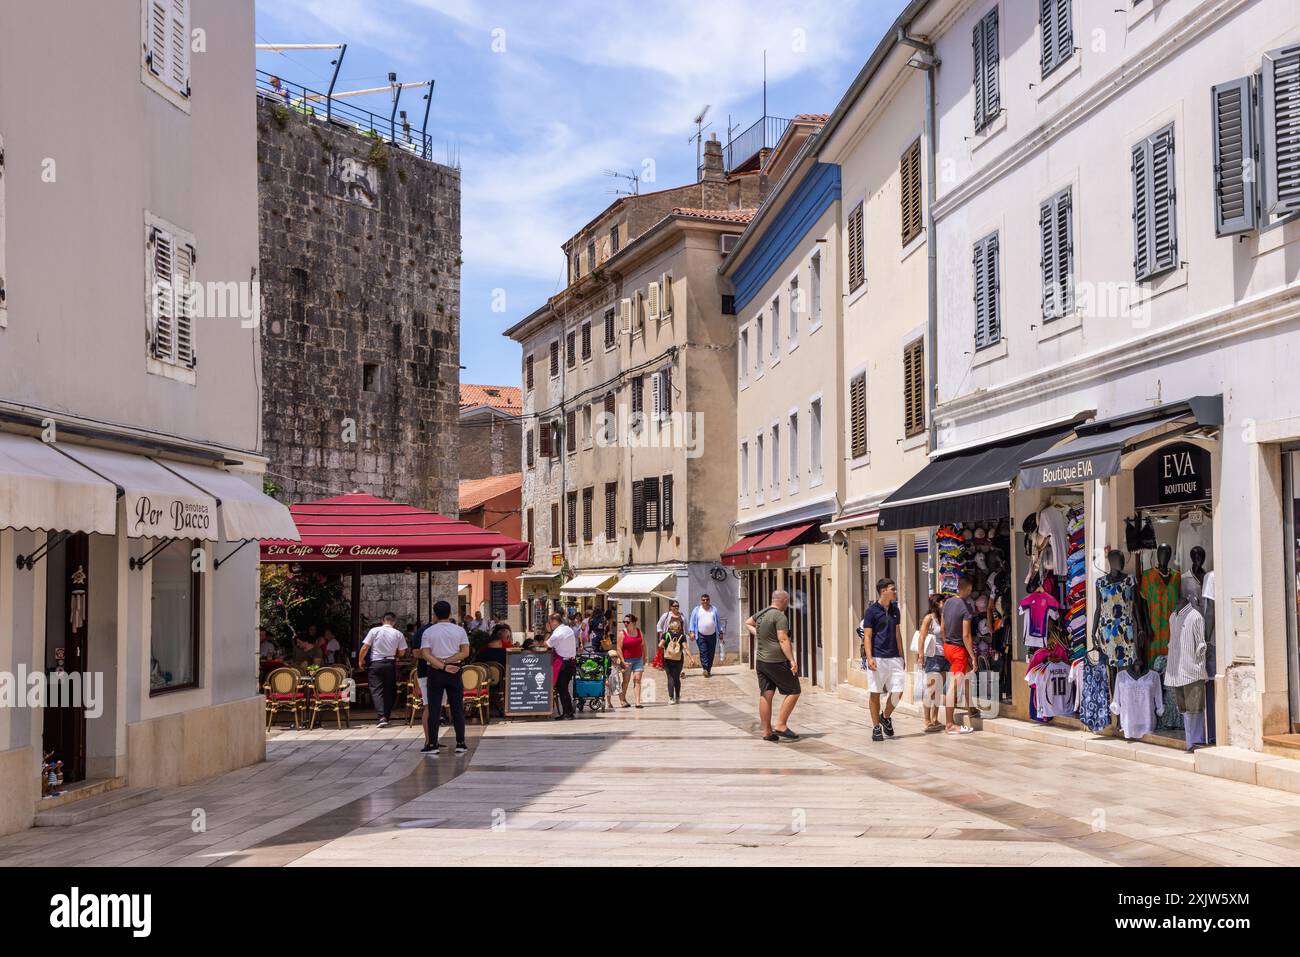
<point x="129" y="406"/>
<point x="629" y="399"/>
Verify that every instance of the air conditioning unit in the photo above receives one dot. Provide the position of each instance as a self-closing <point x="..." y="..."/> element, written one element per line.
<point x="729" y="241"/>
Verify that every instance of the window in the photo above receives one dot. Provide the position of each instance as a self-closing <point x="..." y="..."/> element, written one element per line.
<point x="652" y="301"/>
<point x="532" y="530"/>
<point x="571" y="516"/>
<point x="570" y="431"/>
<point x="570" y="349"/>
<point x="611" y="418"/>
<point x="1056" y="34"/>
<point x="586" y="341"/>
<point x="858" y="415"/>
<point x="909" y="175"/>
<point x="815" y="438"/>
<point x="170" y="262"/>
<point x="609" y="329"/>
<point x="611" y="514"/>
<point x="174" y="617"/>
<point x="796" y="310"/>
<point x="500" y="599"/>
<point x="544" y="448"/>
<point x="728" y="305"/>
<point x="1057" y="243"/>
<point x="744" y="356"/>
<point x="613" y="240"/>
<point x="744" y="471"/>
<point x="638" y="507"/>
<point x="914" y="388"/>
<point x="792" y="437"/>
<point x="591" y="255"/>
<point x="555" y="359"/>
<point x="1155" y="234"/>
<point x="587" y="494"/>
<point x="758" y="469"/>
<point x="555" y="526"/>
<point x="988" y="313"/>
<point x="988" y="98"/>
<point x="666" y="295"/>
<point x="666" y="512"/>
<point x="857" y="256"/>
<point x="166" y="47"/>
<point x="528" y="445"/>
<point x="577" y="267"/>
<point x="650" y="522"/>
<point x="369" y="377"/>
<point x="662" y="394"/>
<point x="586" y="423"/>
<point x="815" y="289"/>
<point x="776" y="330"/>
<point x="758" y="340"/>
<point x="776" y="462"/>
<point x="528" y="371"/>
<point x="636" y="402"/>
<point x="638" y="312"/>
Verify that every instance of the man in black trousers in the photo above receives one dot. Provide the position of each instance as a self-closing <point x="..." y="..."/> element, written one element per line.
<point x="384" y="645"/>
<point x="444" y="646"/>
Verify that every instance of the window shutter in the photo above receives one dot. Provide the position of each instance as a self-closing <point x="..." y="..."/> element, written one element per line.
<point x="666" y="399"/>
<point x="650" y="505"/>
<point x="587" y="494"/>
<point x="666" y="294"/>
<point x="571" y="431"/>
<point x="586" y="340"/>
<point x="636" y="394"/>
<point x="162" y="301"/>
<point x="544" y="440"/>
<point x="909" y="172"/>
<point x="1056" y="34"/>
<point x="571" y="349"/>
<point x="528" y="370"/>
<point x="656" y="397"/>
<point x="652" y="301"/>
<point x="992" y="292"/>
<point x="1064" y="252"/>
<point x="625" y="314"/>
<point x="609" y="327"/>
<point x="3" y="308"/>
<point x="1236" y="163"/>
<point x="857" y="274"/>
<point x="977" y="45"/>
<point x="1141" y="210"/>
<point x="1164" y="234"/>
<point x="988" y="98"/>
<point x="638" y="507"/>
<point x="611" y="493"/>
<point x="157" y="38"/>
<point x="1280" y="105"/>
<point x="666" y="513"/>
<point x="571" y="517"/>
<point x="178" y="62"/>
<point x="555" y="358"/>
<point x="528" y="443"/>
<point x="914" y="387"/>
<point x="184" y="304"/>
<point x="858" y="415"/>
<point x="1047" y="262"/>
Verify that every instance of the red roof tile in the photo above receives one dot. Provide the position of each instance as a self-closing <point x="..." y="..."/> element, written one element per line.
<point x="474" y="492"/>
<point x="508" y="398"/>
<point x="726" y="215"/>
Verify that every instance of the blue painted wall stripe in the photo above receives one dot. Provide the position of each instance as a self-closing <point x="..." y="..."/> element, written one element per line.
<point x="819" y="188"/>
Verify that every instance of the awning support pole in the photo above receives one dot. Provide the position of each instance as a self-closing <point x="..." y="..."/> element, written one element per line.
<point x="356" y="607"/>
<point x="218" y="562"/>
<point x="418" y="597"/>
<point x="135" y="564"/>
<point x="28" y="562"/>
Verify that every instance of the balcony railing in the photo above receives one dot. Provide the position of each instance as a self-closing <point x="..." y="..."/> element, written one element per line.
<point x="319" y="106"/>
<point x="764" y="134"/>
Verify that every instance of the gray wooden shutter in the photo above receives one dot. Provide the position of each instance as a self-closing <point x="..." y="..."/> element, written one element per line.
<point x="977" y="44"/>
<point x="666" y="512"/>
<point x="1056" y="34"/>
<point x="666" y="399"/>
<point x="184" y="299"/>
<point x="1047" y="260"/>
<point x="988" y="322"/>
<point x="1065" y="251"/>
<point x="161" y="298"/>
<point x="1280" y="106"/>
<point x="178" y="62"/>
<point x="156" y="38"/>
<point x="1141" y="210"/>
<point x="988" y="99"/>
<point x="1236" y="160"/>
<point x="1164" y="232"/>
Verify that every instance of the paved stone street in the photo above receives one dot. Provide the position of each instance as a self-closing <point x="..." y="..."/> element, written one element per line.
<point x="690" y="784"/>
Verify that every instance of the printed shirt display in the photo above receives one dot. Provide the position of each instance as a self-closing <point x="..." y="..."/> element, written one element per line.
<point x="1076" y="583"/>
<point x="1093" y="684"/>
<point x="1115" y="619"/>
<point x="1055" y="693"/>
<point x="1162" y="598"/>
<point x="1186" y="648"/>
<point x="1137" y="702"/>
<point x="1036" y="612"/>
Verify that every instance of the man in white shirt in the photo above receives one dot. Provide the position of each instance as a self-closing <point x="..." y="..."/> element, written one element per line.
<point x="442" y="647"/>
<point x="564" y="643"/>
<point x="706" y="629"/>
<point x="384" y="644"/>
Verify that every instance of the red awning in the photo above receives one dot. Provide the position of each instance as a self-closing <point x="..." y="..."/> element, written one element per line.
<point x="388" y="536"/>
<point x="776" y="546"/>
<point x="738" y="553"/>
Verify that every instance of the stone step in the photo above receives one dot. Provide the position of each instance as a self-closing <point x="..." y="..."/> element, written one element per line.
<point x="94" y="807"/>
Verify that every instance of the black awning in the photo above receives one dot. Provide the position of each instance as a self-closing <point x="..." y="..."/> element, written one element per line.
<point x="1097" y="450"/>
<point x="967" y="486"/>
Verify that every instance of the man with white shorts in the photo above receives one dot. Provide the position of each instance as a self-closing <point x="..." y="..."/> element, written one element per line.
<point x="886" y="667"/>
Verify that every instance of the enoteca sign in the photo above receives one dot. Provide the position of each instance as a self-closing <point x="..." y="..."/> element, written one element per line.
<point x="1174" y="473"/>
<point x="159" y="515"/>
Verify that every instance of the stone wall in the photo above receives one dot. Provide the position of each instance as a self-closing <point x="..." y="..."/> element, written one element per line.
<point x="489" y="445"/>
<point x="360" y="277"/>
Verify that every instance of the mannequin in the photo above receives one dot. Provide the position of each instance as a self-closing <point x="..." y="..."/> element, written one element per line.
<point x="1185" y="672"/>
<point x="1138" y="698"/>
<point x="1161" y="587"/>
<point x="1113" y="628"/>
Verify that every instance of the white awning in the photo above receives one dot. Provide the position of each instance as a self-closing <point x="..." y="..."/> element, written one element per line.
<point x="643" y="586"/>
<point x="42" y="488"/>
<point x="461" y="589"/>
<point x="159" y="503"/>
<point x="244" y="510"/>
<point x="589" y="584"/>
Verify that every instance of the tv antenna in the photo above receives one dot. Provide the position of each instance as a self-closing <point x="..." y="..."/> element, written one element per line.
<point x="632" y="179"/>
<point x="698" y="138"/>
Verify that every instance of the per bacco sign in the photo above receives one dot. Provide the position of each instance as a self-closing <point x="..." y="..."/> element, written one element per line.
<point x="168" y="517"/>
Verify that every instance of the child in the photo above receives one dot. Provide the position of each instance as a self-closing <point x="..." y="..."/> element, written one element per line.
<point x="614" y="683"/>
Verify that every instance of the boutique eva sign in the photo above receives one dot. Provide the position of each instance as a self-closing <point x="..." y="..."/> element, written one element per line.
<point x="1172" y="474"/>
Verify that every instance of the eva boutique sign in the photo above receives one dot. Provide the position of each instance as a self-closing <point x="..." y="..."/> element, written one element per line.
<point x="155" y="515"/>
<point x="1179" y="472"/>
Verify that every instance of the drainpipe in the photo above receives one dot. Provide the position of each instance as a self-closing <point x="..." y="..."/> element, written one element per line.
<point x="927" y="61"/>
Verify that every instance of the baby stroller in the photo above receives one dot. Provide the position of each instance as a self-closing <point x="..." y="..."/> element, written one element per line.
<point x="589" y="676"/>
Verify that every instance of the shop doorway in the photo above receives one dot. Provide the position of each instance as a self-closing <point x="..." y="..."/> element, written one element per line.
<point x="66" y="605"/>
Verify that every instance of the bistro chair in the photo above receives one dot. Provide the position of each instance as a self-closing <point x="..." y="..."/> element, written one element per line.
<point x="413" y="694"/>
<point x="283" y="693"/>
<point x="474" y="678"/>
<point x="329" y="694"/>
<point x="496" y="685"/>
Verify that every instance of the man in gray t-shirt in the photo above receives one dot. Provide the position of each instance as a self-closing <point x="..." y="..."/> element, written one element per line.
<point x="775" y="666"/>
<point x="959" y="649"/>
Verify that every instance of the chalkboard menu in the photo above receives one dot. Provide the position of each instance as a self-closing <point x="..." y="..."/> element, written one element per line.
<point x="528" y="683"/>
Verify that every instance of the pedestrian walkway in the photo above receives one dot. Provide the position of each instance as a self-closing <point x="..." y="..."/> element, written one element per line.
<point x="690" y="784"/>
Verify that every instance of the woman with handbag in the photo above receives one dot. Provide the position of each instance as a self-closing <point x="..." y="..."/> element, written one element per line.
<point x="631" y="651"/>
<point x="936" y="665"/>
<point x="672" y="645"/>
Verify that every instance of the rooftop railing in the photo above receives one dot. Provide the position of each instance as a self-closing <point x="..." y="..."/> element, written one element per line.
<point x="763" y="134"/>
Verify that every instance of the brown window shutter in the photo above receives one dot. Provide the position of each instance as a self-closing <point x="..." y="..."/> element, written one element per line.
<point x="857" y="256"/>
<point x="544" y="440"/>
<point x="570" y="431"/>
<point x="909" y="172"/>
<point x="638" y="507"/>
<point x="666" y="513"/>
<point x="650" y="499"/>
<point x="858" y="418"/>
<point x="611" y="497"/>
<point x="586" y="514"/>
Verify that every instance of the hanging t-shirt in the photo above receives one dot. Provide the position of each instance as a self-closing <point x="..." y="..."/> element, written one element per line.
<point x="1036" y="611"/>
<point x="1137" y="702"/>
<point x="1055" y="691"/>
<point x="1051" y="523"/>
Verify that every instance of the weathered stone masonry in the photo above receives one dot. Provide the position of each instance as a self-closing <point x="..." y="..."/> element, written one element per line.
<point x="360" y="276"/>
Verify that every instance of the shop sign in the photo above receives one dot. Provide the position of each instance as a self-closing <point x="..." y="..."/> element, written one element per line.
<point x="1179" y="472"/>
<point x="557" y="561"/>
<point x="170" y="517"/>
<point x="308" y="552"/>
<point x="528" y="684"/>
<point x="1071" y="471"/>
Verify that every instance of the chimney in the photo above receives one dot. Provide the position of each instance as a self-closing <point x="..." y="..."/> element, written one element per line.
<point x="713" y="179"/>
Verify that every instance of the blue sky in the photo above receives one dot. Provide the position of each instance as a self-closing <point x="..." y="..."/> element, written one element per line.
<point x="538" y="98"/>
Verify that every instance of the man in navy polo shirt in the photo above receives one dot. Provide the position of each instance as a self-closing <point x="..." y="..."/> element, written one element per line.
<point x="886" y="668"/>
